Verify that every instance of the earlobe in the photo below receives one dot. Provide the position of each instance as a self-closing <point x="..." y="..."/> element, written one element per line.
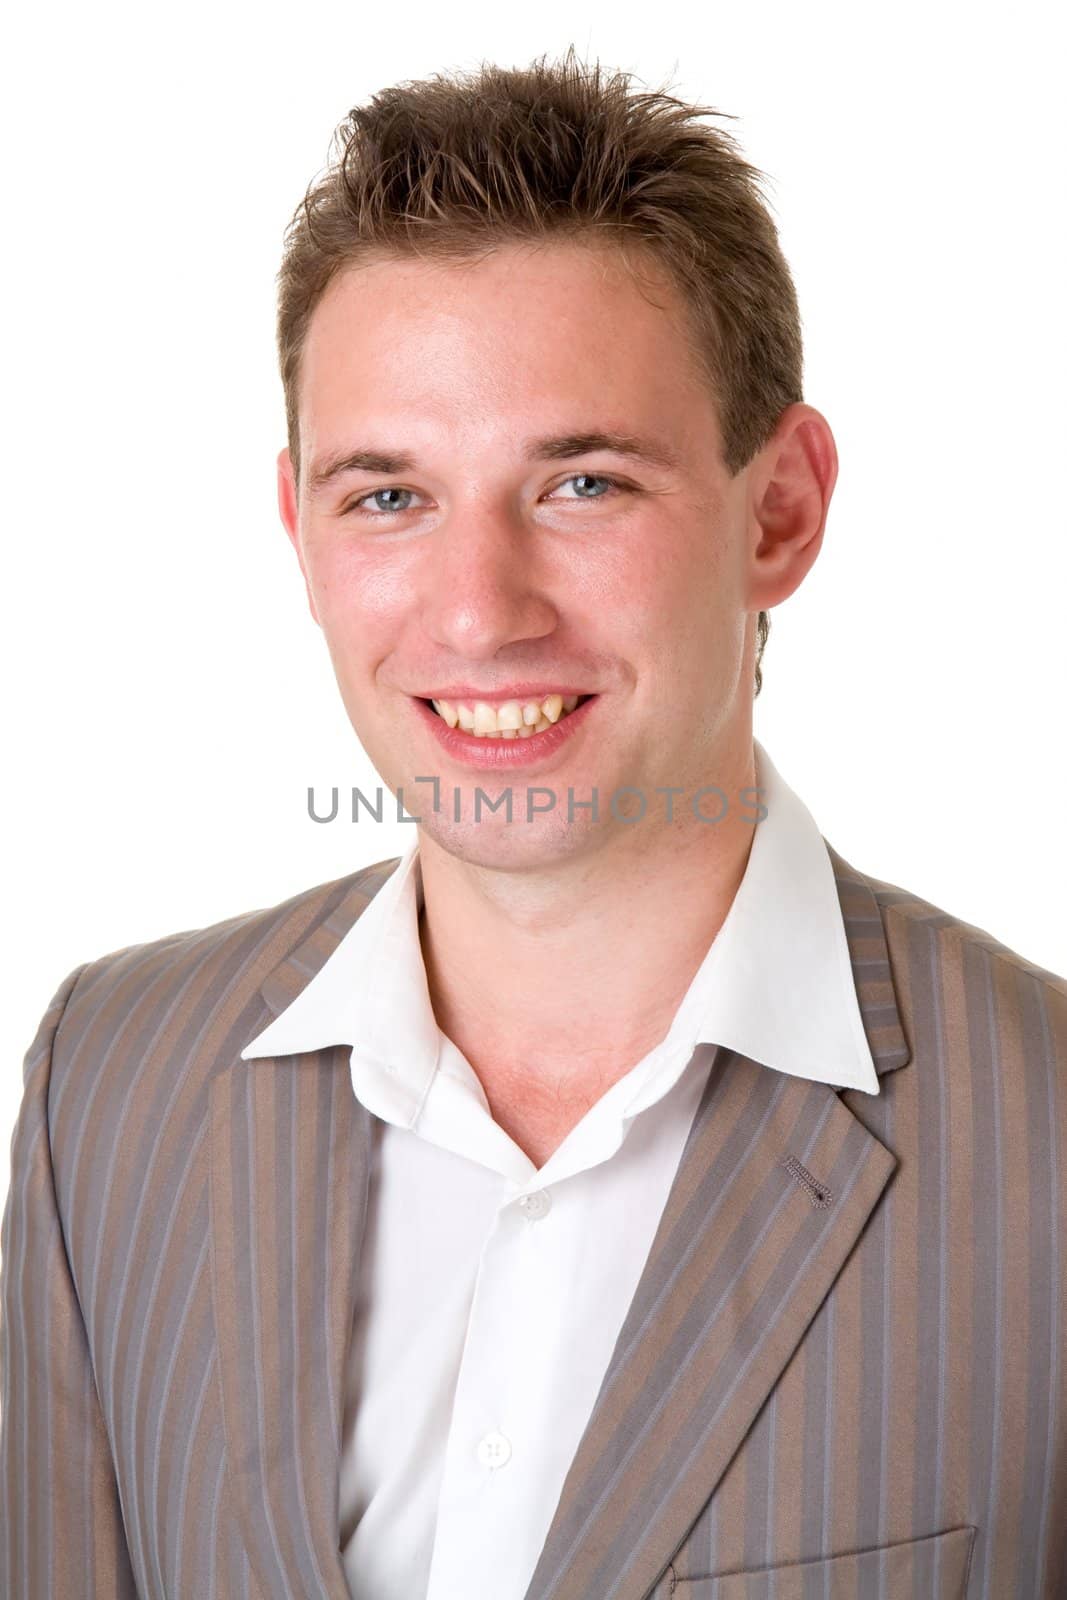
<point x="288" y="509"/>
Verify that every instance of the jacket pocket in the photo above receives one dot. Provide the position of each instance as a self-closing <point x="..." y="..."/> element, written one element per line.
<point x="935" y="1567"/>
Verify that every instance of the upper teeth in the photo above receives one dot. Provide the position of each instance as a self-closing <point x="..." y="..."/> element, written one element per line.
<point x="514" y="719"/>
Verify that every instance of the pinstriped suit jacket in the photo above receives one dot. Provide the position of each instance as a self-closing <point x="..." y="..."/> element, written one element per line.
<point x="843" y="1374"/>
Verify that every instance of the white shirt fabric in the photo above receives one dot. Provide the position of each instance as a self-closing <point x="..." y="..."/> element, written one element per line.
<point x="492" y="1293"/>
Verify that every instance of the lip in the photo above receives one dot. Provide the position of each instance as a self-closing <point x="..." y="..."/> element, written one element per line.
<point x="499" y="697"/>
<point x="505" y="754"/>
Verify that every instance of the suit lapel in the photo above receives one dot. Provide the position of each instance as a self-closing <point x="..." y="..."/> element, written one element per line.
<point x="776" y="1183"/>
<point x="290" y="1163"/>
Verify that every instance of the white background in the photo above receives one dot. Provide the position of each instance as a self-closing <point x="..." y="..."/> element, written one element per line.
<point x="169" y="697"/>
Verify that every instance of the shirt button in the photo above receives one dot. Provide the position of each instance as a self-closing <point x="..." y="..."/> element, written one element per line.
<point x="536" y="1205"/>
<point x="494" y="1450"/>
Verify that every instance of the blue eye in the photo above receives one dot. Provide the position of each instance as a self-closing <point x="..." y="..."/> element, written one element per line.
<point x="591" y="477"/>
<point x="380" y="511"/>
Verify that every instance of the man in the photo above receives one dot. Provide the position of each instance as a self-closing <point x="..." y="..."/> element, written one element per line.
<point x="619" y="1194"/>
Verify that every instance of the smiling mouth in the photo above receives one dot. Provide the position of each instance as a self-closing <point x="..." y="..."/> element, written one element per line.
<point x="513" y="719"/>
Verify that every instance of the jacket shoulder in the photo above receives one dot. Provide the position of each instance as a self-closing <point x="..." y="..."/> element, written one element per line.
<point x="951" y="975"/>
<point x="175" y="984"/>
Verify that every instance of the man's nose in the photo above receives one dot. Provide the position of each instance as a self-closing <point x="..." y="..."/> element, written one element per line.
<point x="485" y="583"/>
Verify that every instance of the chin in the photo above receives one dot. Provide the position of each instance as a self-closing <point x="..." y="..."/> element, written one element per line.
<point x="495" y="843"/>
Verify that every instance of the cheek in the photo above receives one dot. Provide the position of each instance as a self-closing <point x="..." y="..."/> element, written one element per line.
<point x="357" y="598"/>
<point x="626" y="578"/>
<point x="674" y="585"/>
<point x="681" y="614"/>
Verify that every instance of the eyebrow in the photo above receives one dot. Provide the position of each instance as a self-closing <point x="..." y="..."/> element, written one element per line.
<point x="550" y="447"/>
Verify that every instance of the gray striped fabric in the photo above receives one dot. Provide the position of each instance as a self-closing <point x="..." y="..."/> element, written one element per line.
<point x="842" y="1375"/>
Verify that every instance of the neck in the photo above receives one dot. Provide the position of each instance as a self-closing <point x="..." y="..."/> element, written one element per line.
<point x="569" y="974"/>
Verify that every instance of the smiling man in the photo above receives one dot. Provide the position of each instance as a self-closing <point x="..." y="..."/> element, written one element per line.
<point x="578" y="602"/>
<point x="618" y="1195"/>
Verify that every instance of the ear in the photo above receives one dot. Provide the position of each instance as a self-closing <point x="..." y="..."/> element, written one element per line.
<point x="288" y="509"/>
<point x="790" y="484"/>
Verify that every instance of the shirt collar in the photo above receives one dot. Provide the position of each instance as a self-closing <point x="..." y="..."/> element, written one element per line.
<point x="776" y="984"/>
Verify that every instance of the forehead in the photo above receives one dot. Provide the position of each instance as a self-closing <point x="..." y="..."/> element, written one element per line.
<point x="542" y="277"/>
<point x="554" y="325"/>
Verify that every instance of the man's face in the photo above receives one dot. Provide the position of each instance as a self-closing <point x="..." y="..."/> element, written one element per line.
<point x="482" y="567"/>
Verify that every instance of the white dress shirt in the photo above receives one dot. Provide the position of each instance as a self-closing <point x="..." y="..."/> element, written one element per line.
<point x="492" y="1292"/>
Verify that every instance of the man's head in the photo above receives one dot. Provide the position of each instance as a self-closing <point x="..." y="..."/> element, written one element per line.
<point x="531" y="255"/>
